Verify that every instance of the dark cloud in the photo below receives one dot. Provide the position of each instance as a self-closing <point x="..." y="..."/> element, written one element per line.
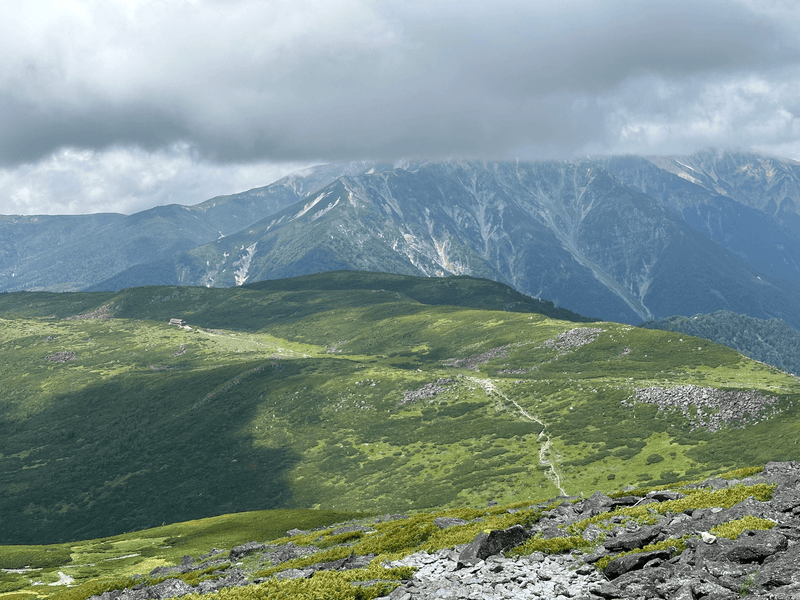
<point x="355" y="79"/>
<point x="235" y="83"/>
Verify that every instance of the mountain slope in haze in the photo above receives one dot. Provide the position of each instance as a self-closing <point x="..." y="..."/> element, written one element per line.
<point x="768" y="184"/>
<point x="569" y="232"/>
<point x="626" y="238"/>
<point x="317" y="393"/>
<point x="773" y="341"/>
<point x="69" y="253"/>
<point x="730" y="216"/>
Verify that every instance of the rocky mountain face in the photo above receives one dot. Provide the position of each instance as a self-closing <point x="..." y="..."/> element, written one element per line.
<point x="719" y="538"/>
<point x="71" y="253"/>
<point x="618" y="239"/>
<point x="628" y="239"/>
<point x="743" y="202"/>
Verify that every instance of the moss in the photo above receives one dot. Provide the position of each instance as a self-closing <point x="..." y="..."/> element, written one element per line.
<point x="649" y="513"/>
<point x="678" y="545"/>
<point x="741" y="473"/>
<point x="195" y="577"/>
<point x="341" y="538"/>
<point x="733" y="529"/>
<point x="98" y="586"/>
<point x="35" y="557"/>
<point x="304" y="561"/>
<point x="550" y="545"/>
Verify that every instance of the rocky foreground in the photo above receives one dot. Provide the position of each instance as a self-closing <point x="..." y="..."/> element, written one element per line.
<point x="730" y="544"/>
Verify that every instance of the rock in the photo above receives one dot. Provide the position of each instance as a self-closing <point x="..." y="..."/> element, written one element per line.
<point x="625" y="501"/>
<point x="631" y="562"/>
<point x="171" y="588"/>
<point x="295" y="574"/>
<point x="631" y="541"/>
<point x="445" y="522"/>
<point x="166" y="570"/>
<point x="711" y="590"/>
<point x="596" y="504"/>
<point x="294" y="532"/>
<point x="240" y="552"/>
<point x="783" y="571"/>
<point x="664" y="495"/>
<point x="289" y="552"/>
<point x="606" y="590"/>
<point x="708" y="538"/>
<point x="684" y="593"/>
<point x="344" y="564"/>
<point x="763" y="564"/>
<point x="484" y="545"/>
<point x="755" y="546"/>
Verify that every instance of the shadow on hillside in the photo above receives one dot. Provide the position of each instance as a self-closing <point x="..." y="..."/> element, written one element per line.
<point x="127" y="455"/>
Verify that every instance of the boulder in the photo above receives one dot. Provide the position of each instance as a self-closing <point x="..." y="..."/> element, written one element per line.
<point x="631" y="562"/>
<point x="631" y="541"/>
<point x="755" y="546"/>
<point x="240" y="552"/>
<point x="171" y="588"/>
<point x="485" y="545"/>
<point x="596" y="504"/>
<point x="445" y="522"/>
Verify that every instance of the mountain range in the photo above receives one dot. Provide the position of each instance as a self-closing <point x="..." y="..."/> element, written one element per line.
<point x="627" y="239"/>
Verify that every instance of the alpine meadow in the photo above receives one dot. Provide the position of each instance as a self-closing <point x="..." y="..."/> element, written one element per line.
<point x="356" y="392"/>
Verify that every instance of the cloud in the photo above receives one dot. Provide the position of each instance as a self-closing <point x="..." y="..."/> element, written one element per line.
<point x="246" y="81"/>
<point x="300" y="80"/>
<point x="125" y="180"/>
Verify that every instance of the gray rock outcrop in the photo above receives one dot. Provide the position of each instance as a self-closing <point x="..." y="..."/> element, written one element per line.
<point x="673" y="557"/>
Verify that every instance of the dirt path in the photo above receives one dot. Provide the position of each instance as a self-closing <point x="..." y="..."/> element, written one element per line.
<point x="490" y="388"/>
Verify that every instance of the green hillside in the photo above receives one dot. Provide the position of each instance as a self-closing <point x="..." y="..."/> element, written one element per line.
<point x="769" y="340"/>
<point x="317" y="393"/>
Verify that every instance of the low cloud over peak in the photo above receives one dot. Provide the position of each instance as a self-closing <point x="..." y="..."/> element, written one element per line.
<point x="247" y="82"/>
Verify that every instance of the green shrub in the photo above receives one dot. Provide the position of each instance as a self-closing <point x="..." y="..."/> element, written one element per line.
<point x="35" y="557"/>
<point x="654" y="458"/>
<point x="678" y="545"/>
<point x="741" y="473"/>
<point x="648" y="514"/>
<point x="733" y="529"/>
<point x="13" y="586"/>
<point x="550" y="545"/>
<point x="95" y="588"/>
<point x="341" y="538"/>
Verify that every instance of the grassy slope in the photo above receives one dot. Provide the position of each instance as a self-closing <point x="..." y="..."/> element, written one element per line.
<point x="771" y="341"/>
<point x="124" y="555"/>
<point x="284" y="399"/>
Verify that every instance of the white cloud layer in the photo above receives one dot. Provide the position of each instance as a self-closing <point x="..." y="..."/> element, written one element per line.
<point x="219" y="84"/>
<point x="126" y="180"/>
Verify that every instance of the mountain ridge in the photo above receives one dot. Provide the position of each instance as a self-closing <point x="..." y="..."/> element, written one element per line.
<point x="568" y="232"/>
<point x="623" y="238"/>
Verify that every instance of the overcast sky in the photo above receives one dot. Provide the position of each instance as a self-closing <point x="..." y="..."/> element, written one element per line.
<point x="120" y="105"/>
